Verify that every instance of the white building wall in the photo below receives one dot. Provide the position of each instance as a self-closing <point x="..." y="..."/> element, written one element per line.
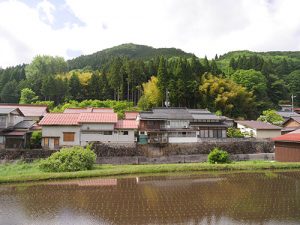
<point x="182" y="139"/>
<point x="268" y="133"/>
<point x="247" y="130"/>
<point x="98" y="126"/>
<point x="57" y="131"/>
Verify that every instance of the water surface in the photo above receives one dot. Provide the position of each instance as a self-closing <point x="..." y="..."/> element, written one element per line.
<point x="238" y="198"/>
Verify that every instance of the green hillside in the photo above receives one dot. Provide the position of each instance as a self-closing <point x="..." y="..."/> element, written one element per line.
<point x="132" y="51"/>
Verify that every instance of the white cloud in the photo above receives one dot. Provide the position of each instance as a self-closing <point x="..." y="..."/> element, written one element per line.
<point x="204" y="27"/>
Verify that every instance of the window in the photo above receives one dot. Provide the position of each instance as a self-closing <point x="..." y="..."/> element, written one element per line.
<point x="1" y="140"/>
<point x="46" y="142"/>
<point x="150" y="123"/>
<point x="69" y="136"/>
<point x="107" y="132"/>
<point x="124" y="132"/>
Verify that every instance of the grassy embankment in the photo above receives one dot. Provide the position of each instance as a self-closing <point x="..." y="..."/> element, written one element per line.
<point x="21" y="172"/>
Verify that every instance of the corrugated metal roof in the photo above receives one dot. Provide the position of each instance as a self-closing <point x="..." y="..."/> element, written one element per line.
<point x="25" y="124"/>
<point x="290" y="137"/>
<point x="98" y="118"/>
<point x="126" y="124"/>
<point x="89" y="109"/>
<point x="28" y="110"/>
<point x="167" y="113"/>
<point x="131" y="115"/>
<point x="6" y="110"/>
<point x="258" y="125"/>
<point x="60" y="119"/>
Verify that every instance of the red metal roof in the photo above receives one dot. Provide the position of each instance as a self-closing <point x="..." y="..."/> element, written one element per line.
<point x="131" y="115"/>
<point x="27" y="109"/>
<point x="89" y="109"/>
<point x="98" y="118"/>
<point x="60" y="119"/>
<point x="290" y="137"/>
<point x="258" y="125"/>
<point x="126" y="124"/>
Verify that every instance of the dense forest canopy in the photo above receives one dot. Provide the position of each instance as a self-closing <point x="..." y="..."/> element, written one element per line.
<point x="237" y="84"/>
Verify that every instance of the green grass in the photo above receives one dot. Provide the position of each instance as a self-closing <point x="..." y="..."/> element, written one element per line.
<point x="21" y="172"/>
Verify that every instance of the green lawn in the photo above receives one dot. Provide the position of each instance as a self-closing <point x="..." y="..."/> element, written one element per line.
<point x="20" y="172"/>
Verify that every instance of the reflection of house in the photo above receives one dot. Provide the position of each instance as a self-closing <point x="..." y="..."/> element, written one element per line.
<point x="30" y="112"/>
<point x="14" y="130"/>
<point x="287" y="147"/>
<point x="180" y="125"/>
<point x="291" y="124"/>
<point x="69" y="129"/>
<point x="258" y="129"/>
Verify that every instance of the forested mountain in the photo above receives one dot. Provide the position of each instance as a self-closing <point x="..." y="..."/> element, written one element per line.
<point x="239" y="84"/>
<point x="98" y="60"/>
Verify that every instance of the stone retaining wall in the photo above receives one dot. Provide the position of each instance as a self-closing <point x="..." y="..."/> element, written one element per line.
<point x="179" y="159"/>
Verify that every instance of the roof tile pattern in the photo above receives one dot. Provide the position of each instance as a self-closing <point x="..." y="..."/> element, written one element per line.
<point x="126" y="124"/>
<point x="51" y="119"/>
<point x="98" y="118"/>
<point x="131" y="115"/>
<point x="60" y="119"/>
<point x="89" y="109"/>
<point x="258" y="125"/>
<point x="28" y="110"/>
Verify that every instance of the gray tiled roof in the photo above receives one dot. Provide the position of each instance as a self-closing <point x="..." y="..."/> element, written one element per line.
<point x="6" y="110"/>
<point x="167" y="113"/>
<point x="287" y="114"/>
<point x="258" y="125"/>
<point x="25" y="124"/>
<point x="176" y="113"/>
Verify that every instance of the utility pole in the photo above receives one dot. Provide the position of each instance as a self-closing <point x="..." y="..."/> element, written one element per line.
<point x="293" y="96"/>
<point x="167" y="102"/>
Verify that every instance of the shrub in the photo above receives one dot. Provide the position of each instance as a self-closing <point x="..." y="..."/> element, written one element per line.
<point x="234" y="133"/>
<point x="218" y="156"/>
<point x="68" y="160"/>
<point x="36" y="139"/>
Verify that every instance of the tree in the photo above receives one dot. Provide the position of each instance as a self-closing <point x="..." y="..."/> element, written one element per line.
<point x="253" y="80"/>
<point x="223" y="94"/>
<point x="10" y="92"/>
<point x="94" y="87"/>
<point x="75" y="88"/>
<point x="43" y="66"/>
<point x="162" y="77"/>
<point x="293" y="80"/>
<point x="28" y="96"/>
<point x="152" y="96"/>
<point x="271" y="116"/>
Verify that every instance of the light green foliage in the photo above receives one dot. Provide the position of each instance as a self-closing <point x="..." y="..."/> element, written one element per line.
<point x="28" y="96"/>
<point x="223" y="94"/>
<point x="234" y="133"/>
<point x="271" y="116"/>
<point x="152" y="95"/>
<point x="50" y="104"/>
<point x="253" y="80"/>
<point x="68" y="160"/>
<point x="218" y="156"/>
<point x="118" y="106"/>
<point x="36" y="139"/>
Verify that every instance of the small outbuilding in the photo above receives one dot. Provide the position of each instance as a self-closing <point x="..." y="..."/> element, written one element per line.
<point x="258" y="129"/>
<point x="287" y="147"/>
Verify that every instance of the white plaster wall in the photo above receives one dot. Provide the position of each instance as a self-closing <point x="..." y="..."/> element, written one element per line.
<point x="91" y="126"/>
<point x="268" y="133"/>
<point x="182" y="139"/>
<point x="116" y="137"/>
<point x="57" y="131"/>
<point x="247" y="129"/>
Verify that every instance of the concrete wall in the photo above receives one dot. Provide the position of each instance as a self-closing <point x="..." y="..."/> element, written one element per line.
<point x="268" y="133"/>
<point x="182" y="139"/>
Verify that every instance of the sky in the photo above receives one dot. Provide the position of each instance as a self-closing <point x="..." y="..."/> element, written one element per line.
<point x="70" y="28"/>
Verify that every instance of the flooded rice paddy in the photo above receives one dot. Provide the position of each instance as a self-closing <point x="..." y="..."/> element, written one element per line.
<point x="237" y="198"/>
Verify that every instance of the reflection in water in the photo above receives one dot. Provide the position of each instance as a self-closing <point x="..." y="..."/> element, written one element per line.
<point x="255" y="198"/>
